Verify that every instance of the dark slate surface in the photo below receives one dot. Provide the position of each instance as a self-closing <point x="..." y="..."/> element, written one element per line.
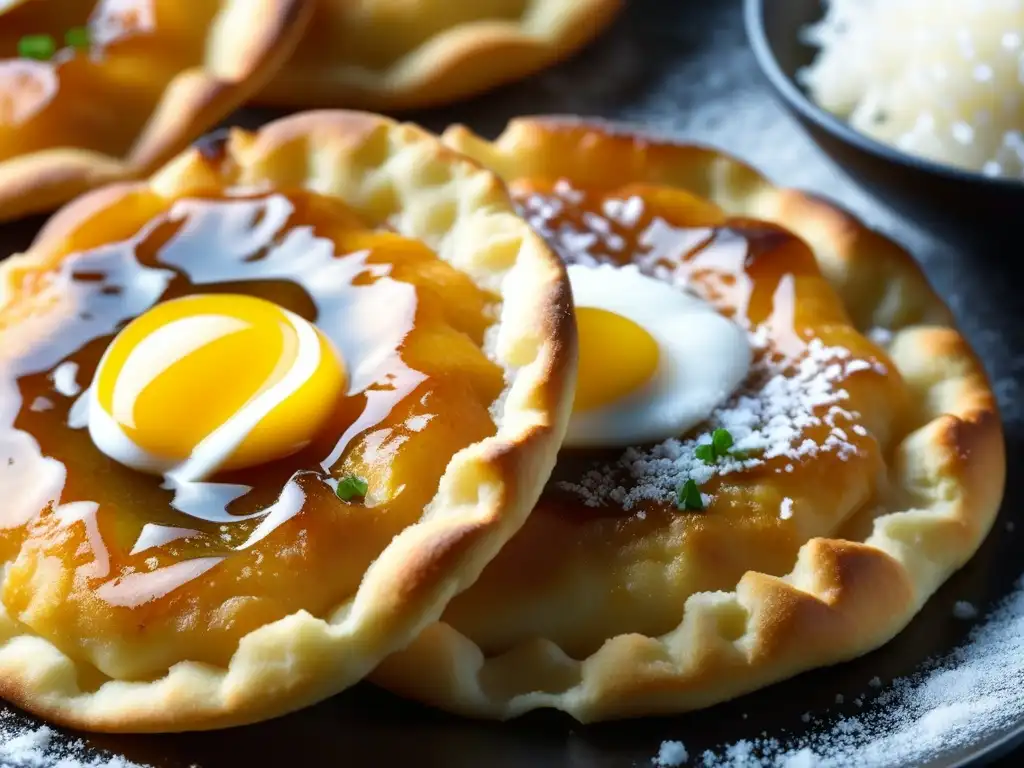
<point x="682" y="67"/>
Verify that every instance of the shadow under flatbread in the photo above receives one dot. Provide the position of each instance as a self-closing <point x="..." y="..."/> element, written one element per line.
<point x="664" y="62"/>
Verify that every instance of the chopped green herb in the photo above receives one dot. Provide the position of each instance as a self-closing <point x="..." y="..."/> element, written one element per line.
<point x="351" y="487"/>
<point x="739" y="455"/>
<point x="688" y="497"/>
<point x="77" y="37"/>
<point x="39" y="47"/>
<point x="705" y="453"/>
<point x="722" y="441"/>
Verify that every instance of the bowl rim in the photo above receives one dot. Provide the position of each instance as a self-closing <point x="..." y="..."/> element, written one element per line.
<point x="798" y="100"/>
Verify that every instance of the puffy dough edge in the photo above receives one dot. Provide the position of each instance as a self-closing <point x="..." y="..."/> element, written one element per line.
<point x="244" y="48"/>
<point x="842" y="598"/>
<point x="383" y="169"/>
<point x="462" y="61"/>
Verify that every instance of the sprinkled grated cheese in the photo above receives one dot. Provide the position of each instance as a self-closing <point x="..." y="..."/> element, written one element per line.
<point x="880" y="336"/>
<point x="576" y="245"/>
<point x="670" y="755"/>
<point x="767" y="419"/>
<point x="786" y="509"/>
<point x="25" y="746"/>
<point x="973" y="694"/>
<point x="964" y="610"/>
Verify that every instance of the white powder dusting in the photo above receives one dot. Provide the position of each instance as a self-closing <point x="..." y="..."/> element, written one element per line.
<point x="964" y="610"/>
<point x="975" y="692"/>
<point x="25" y="746"/>
<point x="786" y="509"/>
<point x="768" y="418"/>
<point x="671" y="754"/>
<point x="770" y="415"/>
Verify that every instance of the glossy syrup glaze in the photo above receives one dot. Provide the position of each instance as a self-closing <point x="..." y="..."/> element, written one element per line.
<point x="130" y="557"/>
<point x="95" y="96"/>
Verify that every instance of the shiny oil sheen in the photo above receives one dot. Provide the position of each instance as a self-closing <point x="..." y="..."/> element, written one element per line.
<point x="243" y="547"/>
<point x="98" y="97"/>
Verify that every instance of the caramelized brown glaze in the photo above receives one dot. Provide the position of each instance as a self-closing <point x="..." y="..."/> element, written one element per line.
<point x="96" y="97"/>
<point x="83" y="574"/>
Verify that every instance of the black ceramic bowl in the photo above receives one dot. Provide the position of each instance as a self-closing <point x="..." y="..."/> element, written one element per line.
<point x="953" y="203"/>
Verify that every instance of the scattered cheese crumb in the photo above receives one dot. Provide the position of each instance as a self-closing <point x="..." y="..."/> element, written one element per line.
<point x="958" y="702"/>
<point x="41" y="404"/>
<point x="805" y="758"/>
<point x="964" y="610"/>
<point x="875" y="682"/>
<point x="671" y="754"/>
<point x="768" y="418"/>
<point x="786" y="509"/>
<point x="25" y="746"/>
<point x="65" y="379"/>
<point x="880" y="336"/>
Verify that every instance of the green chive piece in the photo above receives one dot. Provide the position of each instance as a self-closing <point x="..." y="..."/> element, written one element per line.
<point x="705" y="453"/>
<point x="40" y="47"/>
<point x="688" y="497"/>
<point x="351" y="487"/>
<point x="722" y="441"/>
<point x="77" y="37"/>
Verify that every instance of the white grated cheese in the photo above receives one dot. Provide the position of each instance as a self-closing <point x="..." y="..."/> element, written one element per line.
<point x="964" y="610"/>
<point x="950" y="704"/>
<point x="767" y="419"/>
<point x="25" y="746"/>
<point x="880" y="336"/>
<point x="670" y="755"/>
<point x="786" y="509"/>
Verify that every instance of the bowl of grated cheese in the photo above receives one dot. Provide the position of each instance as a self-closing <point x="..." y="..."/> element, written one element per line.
<point x="919" y="101"/>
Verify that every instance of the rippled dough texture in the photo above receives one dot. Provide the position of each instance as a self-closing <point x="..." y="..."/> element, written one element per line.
<point x="201" y="631"/>
<point x="132" y="615"/>
<point x="154" y="76"/>
<point x="380" y="54"/>
<point x="624" y="607"/>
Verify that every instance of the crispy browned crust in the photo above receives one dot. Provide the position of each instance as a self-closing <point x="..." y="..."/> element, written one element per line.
<point x="249" y="41"/>
<point x="842" y="598"/>
<point x="387" y="172"/>
<point x="456" y="63"/>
